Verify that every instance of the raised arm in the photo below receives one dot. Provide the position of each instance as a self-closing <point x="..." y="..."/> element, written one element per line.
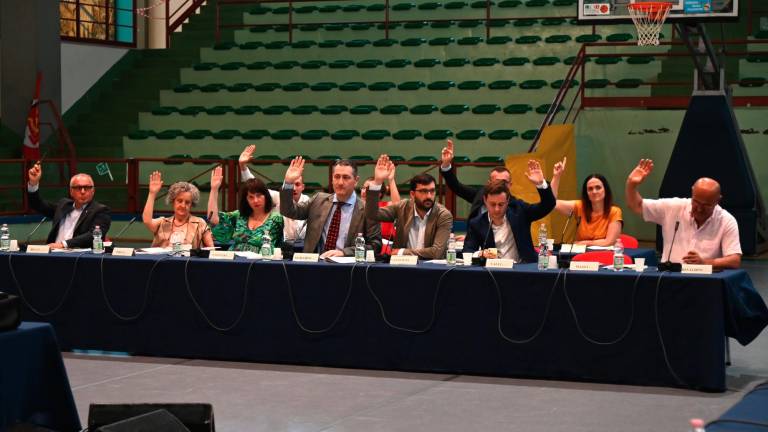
<point x="288" y="207"/>
<point x="547" y="199"/>
<point x="635" y="178"/>
<point x="449" y="174"/>
<point x="381" y="173"/>
<point x="557" y="172"/>
<point x="213" y="197"/>
<point x="155" y="184"/>
<point x="243" y="160"/>
<point x="35" y="201"/>
<point x="394" y="194"/>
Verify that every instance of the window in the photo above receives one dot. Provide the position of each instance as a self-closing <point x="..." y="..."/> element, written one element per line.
<point x="108" y="21"/>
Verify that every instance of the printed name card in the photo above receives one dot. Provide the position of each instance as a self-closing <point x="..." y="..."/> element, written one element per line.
<point x="499" y="263"/>
<point x="585" y="266"/>
<point x="404" y="260"/>
<point x="221" y="255"/>
<point x="578" y="248"/>
<point x="121" y="251"/>
<point x="697" y="269"/>
<point x="305" y="257"/>
<point x="38" y="249"/>
<point x="566" y="248"/>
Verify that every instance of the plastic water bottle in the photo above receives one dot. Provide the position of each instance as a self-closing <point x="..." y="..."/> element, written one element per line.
<point x="98" y="243"/>
<point x="359" y="248"/>
<point x="450" y="254"/>
<point x="542" y="234"/>
<point x="618" y="255"/>
<point x="266" y="247"/>
<point x="697" y="425"/>
<point x="543" y="261"/>
<point x="5" y="238"/>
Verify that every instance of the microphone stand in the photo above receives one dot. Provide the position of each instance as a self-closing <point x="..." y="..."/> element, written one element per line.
<point x="668" y="265"/>
<point x="23" y="246"/>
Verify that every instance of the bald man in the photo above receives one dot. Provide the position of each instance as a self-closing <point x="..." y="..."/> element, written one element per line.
<point x="706" y="233"/>
<point x="73" y="218"/>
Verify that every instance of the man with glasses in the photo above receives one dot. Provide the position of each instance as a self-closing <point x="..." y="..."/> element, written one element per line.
<point x="333" y="220"/>
<point x="422" y="226"/>
<point x="74" y="218"/>
<point x="704" y="232"/>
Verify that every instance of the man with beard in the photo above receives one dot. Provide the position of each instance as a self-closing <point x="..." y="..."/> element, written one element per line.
<point x="422" y="226"/>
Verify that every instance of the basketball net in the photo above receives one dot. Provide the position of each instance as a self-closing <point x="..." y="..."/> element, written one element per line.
<point x="649" y="18"/>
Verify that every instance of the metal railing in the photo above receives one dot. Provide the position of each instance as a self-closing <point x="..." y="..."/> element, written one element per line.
<point x="176" y="17"/>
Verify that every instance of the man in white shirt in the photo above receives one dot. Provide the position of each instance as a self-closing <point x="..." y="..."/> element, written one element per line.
<point x="704" y="232"/>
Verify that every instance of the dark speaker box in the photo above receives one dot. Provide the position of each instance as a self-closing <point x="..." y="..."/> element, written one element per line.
<point x="155" y="421"/>
<point x="196" y="417"/>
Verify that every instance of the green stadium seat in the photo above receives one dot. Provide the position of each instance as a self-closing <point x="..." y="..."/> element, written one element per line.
<point x="441" y="41"/>
<point x="569" y="60"/>
<point x="252" y="45"/>
<point x="363" y="109"/>
<point x="287" y="161"/>
<point x="619" y="37"/>
<point x="421" y="159"/>
<point x="325" y="160"/>
<point x="344" y="134"/>
<point x="557" y="39"/>
<point x="456" y="62"/>
<point x="204" y="66"/>
<point x="192" y="110"/>
<point x="529" y="135"/>
<point x="226" y="134"/>
<point x="454" y="109"/>
<point x="197" y="134"/>
<point x="260" y="10"/>
<point x="352" y="8"/>
<point x="762" y="34"/>
<point x="305" y="9"/>
<point x="438" y="134"/>
<point x="396" y="158"/>
<point x="486" y="61"/>
<point x="212" y="88"/>
<point x="455" y="5"/>
<point x="596" y="83"/>
<point x="754" y="58"/>
<point x="303" y="44"/>
<point x="470" y="85"/>
<point x="391" y="26"/>
<point x="526" y="40"/>
<point x="369" y="64"/>
<point x="491" y="159"/>
<point x="333" y="109"/>
<point x="498" y="23"/>
<point x="441" y="24"/>
<point x="361" y="26"/>
<point x="503" y="134"/>
<point x="377" y="7"/>
<point x="335" y="27"/>
<point x="546" y="61"/>
<point x="255" y="134"/>
<point x="412" y="42"/>
<point x="393" y="109"/>
<point x="517" y="109"/>
<point x="177" y="156"/>
<point x="164" y="110"/>
<point x="330" y="43"/>
<point x="499" y="40"/>
<point x="563" y="3"/>
<point x="286" y="64"/>
<point x="441" y="85"/>
<point x="219" y="110"/>
<point x="536" y="3"/>
<point x="340" y="64"/>
<point x="559" y="83"/>
<point x="266" y="87"/>
<point x="329" y="8"/>
<point x="502" y="85"/>
<point x="169" y="134"/>
<point x="185" y="88"/>
<point x="482" y="4"/>
<point x="361" y="158"/>
<point x="553" y="22"/>
<point x="469" y="40"/>
<point x="415" y="25"/>
<point x="470" y="134"/>
<point x="397" y="63"/>
<point x="314" y="134"/>
<point x="352" y="86"/>
<point x="259" y="65"/>
<point x="751" y="82"/>
<point x="381" y="86"/>
<point x="411" y="85"/>
<point x="423" y="109"/>
<point x="262" y="159"/>
<point x="385" y="42"/>
<point x="610" y="60"/>
<point x="304" y="109"/>
<point x="375" y="135"/>
<point x="313" y="64"/>
<point x="461" y="159"/>
<point x="247" y="110"/>
<point x="588" y="38"/>
<point x="259" y="29"/>
<point x="285" y="134"/>
<point x="140" y="134"/>
<point x="276" y="109"/>
<point x="403" y="6"/>
<point x="207" y="156"/>
<point x="357" y="43"/>
<point x="516" y="61"/>
<point x="641" y="60"/>
<point x="323" y="86"/>
<point x="282" y="10"/>
<point x="625" y="83"/>
<point x="486" y="109"/>
<point x="295" y="86"/>
<point x="544" y="108"/>
<point x="532" y="84"/>
<point x="239" y="87"/>
<point x="426" y="63"/>
<point x="469" y="24"/>
<point x="525" y="22"/>
<point x="276" y="45"/>
<point x="506" y="4"/>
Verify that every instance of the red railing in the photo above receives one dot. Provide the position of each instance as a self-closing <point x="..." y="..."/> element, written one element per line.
<point x="174" y="19"/>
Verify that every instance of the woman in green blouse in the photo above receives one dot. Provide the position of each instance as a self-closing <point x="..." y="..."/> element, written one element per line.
<point x="247" y="225"/>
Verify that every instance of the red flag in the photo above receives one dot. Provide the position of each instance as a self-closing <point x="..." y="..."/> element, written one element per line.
<point x="32" y="131"/>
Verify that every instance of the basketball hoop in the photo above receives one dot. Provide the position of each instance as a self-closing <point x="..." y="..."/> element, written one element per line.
<point x="649" y="18"/>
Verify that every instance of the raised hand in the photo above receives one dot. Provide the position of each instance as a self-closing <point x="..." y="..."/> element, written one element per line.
<point x="295" y="170"/>
<point x="559" y="167"/>
<point x="641" y="172"/>
<point x="34" y="174"/>
<point x="446" y="155"/>
<point x="245" y="156"/>
<point x="391" y="176"/>
<point x="216" y="178"/>
<point x="534" y="172"/>
<point x="384" y="167"/>
<point x="155" y="182"/>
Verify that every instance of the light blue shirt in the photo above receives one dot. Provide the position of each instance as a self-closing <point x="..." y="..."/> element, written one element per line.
<point x="346" y="219"/>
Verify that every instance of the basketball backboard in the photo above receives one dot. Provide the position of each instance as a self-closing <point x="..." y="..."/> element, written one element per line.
<point x="591" y="11"/>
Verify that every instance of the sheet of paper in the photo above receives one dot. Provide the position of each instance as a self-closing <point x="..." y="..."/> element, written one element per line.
<point x="600" y="248"/>
<point x="153" y="250"/>
<point x="342" y="260"/>
<point x="248" y="254"/>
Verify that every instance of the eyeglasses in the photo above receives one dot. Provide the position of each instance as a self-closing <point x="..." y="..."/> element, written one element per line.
<point x="86" y="188"/>
<point x="425" y="191"/>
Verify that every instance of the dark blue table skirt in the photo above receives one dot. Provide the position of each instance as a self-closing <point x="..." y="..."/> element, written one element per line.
<point x="750" y="414"/>
<point x="598" y="326"/>
<point x="33" y="382"/>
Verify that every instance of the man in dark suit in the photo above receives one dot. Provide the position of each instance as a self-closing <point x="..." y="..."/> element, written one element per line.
<point x="506" y="226"/>
<point x="73" y="218"/>
<point x="333" y="220"/>
<point x="472" y="195"/>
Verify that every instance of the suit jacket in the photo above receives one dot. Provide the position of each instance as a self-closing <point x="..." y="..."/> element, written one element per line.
<point x="520" y="215"/>
<point x="317" y="210"/>
<point x="82" y="237"/>
<point x="472" y="195"/>
<point x="438" y="229"/>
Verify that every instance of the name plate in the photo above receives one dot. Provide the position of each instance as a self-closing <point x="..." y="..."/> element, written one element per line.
<point x="697" y="269"/>
<point x="566" y="248"/>
<point x="404" y="260"/>
<point x="585" y="266"/>
<point x="221" y="255"/>
<point x="38" y="249"/>
<point x="120" y="251"/>
<point x="499" y="263"/>
<point x="578" y="248"/>
<point x="305" y="257"/>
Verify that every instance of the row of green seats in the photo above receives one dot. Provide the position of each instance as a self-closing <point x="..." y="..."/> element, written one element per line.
<point x="339" y="135"/>
<point x="267" y="159"/>
<point x="406" y="6"/>
<point x="422" y="109"/>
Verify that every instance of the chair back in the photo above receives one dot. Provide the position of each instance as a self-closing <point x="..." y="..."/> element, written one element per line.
<point x="603" y="257"/>
<point x="628" y="241"/>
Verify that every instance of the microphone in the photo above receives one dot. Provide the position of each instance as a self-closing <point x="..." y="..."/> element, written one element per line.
<point x="23" y="246"/>
<point x="125" y="228"/>
<point x="667" y="265"/>
<point x="565" y="228"/>
<point x="198" y="251"/>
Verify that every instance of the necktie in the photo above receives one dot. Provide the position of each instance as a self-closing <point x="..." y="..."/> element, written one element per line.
<point x="333" y="229"/>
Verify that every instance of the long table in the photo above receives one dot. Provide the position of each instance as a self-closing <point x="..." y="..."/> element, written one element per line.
<point x="624" y="327"/>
